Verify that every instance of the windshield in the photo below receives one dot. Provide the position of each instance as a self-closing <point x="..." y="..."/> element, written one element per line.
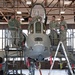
<point x="38" y="27"/>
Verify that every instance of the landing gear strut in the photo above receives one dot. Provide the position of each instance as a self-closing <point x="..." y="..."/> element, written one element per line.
<point x="32" y="68"/>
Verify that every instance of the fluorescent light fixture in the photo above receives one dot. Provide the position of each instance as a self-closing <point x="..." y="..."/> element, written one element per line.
<point x="19" y="12"/>
<point x="67" y="2"/>
<point x="62" y="12"/>
<point x="22" y="19"/>
<point x="28" y="2"/>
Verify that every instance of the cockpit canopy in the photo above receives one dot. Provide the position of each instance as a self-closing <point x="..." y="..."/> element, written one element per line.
<point x="36" y="27"/>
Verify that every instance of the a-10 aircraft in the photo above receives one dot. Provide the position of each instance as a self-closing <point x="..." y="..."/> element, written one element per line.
<point x="37" y="42"/>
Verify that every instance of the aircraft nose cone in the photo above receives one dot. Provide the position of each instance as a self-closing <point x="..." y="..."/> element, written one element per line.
<point x="39" y="48"/>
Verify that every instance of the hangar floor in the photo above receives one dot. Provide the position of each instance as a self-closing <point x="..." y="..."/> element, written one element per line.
<point x="45" y="72"/>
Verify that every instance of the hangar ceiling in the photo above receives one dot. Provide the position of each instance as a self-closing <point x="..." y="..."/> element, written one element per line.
<point x="53" y="7"/>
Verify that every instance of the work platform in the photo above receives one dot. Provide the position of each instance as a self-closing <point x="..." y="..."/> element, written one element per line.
<point x="13" y="53"/>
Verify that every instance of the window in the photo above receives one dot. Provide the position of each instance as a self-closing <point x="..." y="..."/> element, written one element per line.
<point x="2" y="39"/>
<point x="71" y="38"/>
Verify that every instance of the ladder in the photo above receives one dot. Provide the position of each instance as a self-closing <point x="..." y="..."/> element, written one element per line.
<point x="64" y="51"/>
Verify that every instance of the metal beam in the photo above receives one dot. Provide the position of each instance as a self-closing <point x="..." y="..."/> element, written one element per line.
<point x="52" y="8"/>
<point x="11" y="3"/>
<point x="68" y="6"/>
<point x="42" y="2"/>
<point x="32" y="2"/>
<point x="50" y="3"/>
<point x="25" y="7"/>
<point x="26" y="15"/>
<point x="45" y="2"/>
<point x="4" y="16"/>
<point x="30" y="7"/>
<point x="59" y="8"/>
<point x="61" y="14"/>
<point x="35" y="1"/>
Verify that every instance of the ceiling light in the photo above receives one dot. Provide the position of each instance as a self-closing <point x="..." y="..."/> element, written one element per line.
<point x="19" y="12"/>
<point x="62" y="12"/>
<point x="67" y="2"/>
<point x="22" y="19"/>
<point x="28" y="2"/>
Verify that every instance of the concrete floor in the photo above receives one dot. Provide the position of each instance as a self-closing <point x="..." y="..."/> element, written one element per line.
<point x="46" y="72"/>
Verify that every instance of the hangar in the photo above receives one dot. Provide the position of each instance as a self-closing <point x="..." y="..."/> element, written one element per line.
<point x="36" y="42"/>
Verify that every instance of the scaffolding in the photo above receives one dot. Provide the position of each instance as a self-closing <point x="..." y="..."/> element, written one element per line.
<point x="12" y="52"/>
